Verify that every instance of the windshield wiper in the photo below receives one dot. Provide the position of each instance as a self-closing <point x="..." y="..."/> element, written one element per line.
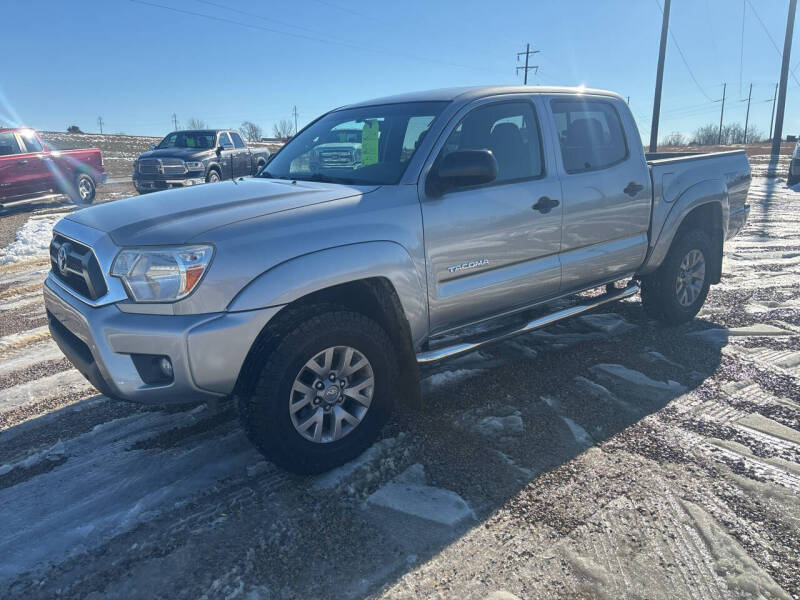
<point x="326" y="179"/>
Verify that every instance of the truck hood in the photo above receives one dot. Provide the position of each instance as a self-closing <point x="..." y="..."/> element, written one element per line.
<point x="184" y="153"/>
<point x="182" y="215"/>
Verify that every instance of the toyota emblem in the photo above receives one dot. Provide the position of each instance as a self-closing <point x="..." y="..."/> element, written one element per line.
<point x="62" y="259"/>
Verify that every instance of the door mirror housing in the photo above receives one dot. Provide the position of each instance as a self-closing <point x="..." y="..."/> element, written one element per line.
<point x="463" y="168"/>
<point x="152" y="146"/>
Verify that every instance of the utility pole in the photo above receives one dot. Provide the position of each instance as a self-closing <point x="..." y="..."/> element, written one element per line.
<point x="526" y="68"/>
<point x="662" y="49"/>
<point x="294" y="112"/>
<point x="747" y="118"/>
<point x="787" y="50"/>
<point x="772" y="118"/>
<point x="628" y="101"/>
<point x="100" y="123"/>
<point x="721" y="112"/>
<point x="174" y="121"/>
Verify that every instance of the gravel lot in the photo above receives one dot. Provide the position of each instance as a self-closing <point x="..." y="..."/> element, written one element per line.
<point x="605" y="457"/>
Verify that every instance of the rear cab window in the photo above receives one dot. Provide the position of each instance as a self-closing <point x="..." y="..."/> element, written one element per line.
<point x="590" y="134"/>
<point x="8" y="144"/>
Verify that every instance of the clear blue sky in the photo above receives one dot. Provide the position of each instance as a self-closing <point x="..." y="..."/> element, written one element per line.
<point x="135" y="64"/>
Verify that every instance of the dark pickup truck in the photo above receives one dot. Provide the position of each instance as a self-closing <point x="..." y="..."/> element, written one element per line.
<point x="186" y="158"/>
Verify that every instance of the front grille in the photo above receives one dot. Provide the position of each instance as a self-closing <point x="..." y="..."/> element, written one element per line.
<point x="80" y="270"/>
<point x="337" y="158"/>
<point x="162" y="166"/>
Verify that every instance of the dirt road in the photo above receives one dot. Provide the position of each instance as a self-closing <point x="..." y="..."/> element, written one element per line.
<point x="605" y="457"/>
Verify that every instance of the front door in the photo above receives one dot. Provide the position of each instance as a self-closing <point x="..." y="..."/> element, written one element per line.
<point x="42" y="174"/>
<point x="606" y="190"/>
<point x="241" y="156"/>
<point x="15" y="169"/>
<point x="226" y="152"/>
<point x="494" y="248"/>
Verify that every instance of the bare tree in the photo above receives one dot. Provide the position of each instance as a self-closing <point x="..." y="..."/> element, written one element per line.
<point x="283" y="129"/>
<point x="74" y="129"/>
<point x="250" y="131"/>
<point x="676" y="138"/>
<point x="195" y="123"/>
<point x="707" y="135"/>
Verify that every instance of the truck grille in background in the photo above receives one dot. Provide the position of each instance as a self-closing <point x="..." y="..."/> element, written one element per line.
<point x="83" y="274"/>
<point x="336" y="158"/>
<point x="162" y="166"/>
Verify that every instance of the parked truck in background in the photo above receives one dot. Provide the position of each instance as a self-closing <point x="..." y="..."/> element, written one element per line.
<point x="313" y="292"/>
<point x="185" y="158"/>
<point x="31" y="171"/>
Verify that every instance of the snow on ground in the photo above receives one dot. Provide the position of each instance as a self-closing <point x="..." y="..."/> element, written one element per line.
<point x="32" y="240"/>
<point x="604" y="457"/>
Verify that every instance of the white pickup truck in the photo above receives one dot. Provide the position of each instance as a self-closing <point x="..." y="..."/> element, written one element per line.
<point x="313" y="291"/>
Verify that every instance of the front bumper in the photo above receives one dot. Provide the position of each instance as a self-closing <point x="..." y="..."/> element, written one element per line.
<point x="150" y="185"/>
<point x="207" y="351"/>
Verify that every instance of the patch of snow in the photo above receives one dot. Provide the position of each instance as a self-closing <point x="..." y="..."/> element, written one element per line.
<point x="610" y="323"/>
<point x="445" y="377"/>
<point x="425" y="502"/>
<point x="579" y="433"/>
<point x="500" y="426"/>
<point x="635" y="381"/>
<point x="719" y="336"/>
<point x="334" y="477"/>
<point x="32" y="239"/>
<point x="766" y="425"/>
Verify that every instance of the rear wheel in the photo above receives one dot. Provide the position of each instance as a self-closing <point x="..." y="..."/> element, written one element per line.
<point x="84" y="189"/>
<point x="323" y="393"/>
<point x="676" y="292"/>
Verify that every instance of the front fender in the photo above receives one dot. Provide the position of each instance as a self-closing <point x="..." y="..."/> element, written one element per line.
<point x="298" y="277"/>
<point x="704" y="192"/>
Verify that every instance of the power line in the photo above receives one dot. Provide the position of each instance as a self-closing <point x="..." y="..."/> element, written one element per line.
<point x="683" y="58"/>
<point x="769" y="35"/>
<point x="347" y="44"/>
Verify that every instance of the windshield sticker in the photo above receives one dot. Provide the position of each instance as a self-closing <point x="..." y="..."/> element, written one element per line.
<point x="369" y="143"/>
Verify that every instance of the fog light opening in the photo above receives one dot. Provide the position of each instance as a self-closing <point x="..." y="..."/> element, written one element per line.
<point x="165" y="364"/>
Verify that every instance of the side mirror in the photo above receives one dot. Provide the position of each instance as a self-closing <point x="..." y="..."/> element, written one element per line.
<point x="152" y="146"/>
<point x="220" y="149"/>
<point x="463" y="168"/>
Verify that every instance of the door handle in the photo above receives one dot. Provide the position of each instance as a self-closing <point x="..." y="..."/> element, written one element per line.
<point x="545" y="204"/>
<point x="22" y="162"/>
<point x="633" y="188"/>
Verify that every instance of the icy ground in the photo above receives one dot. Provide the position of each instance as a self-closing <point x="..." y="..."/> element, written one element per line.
<point x="607" y="457"/>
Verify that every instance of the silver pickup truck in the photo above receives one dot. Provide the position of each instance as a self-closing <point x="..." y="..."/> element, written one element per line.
<point x="312" y="292"/>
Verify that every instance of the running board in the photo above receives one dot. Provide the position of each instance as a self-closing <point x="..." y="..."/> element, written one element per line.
<point x="432" y="356"/>
<point x="29" y="200"/>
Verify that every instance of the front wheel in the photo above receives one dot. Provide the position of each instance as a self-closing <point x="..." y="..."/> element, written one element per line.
<point x="323" y="393"/>
<point x="213" y="176"/>
<point x="675" y="293"/>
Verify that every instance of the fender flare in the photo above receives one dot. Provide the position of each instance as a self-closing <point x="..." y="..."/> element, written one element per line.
<point x="708" y="191"/>
<point x="298" y="277"/>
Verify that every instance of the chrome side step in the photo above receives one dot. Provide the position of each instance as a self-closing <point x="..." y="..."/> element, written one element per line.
<point x="29" y="200"/>
<point x="431" y="356"/>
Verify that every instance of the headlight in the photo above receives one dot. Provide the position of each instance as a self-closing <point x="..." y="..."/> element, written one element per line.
<point x="161" y="274"/>
<point x="194" y="166"/>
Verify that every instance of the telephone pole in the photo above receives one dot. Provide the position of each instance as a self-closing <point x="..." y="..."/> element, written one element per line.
<point x="772" y="118"/>
<point x="294" y="112"/>
<point x="787" y="50"/>
<point x="721" y="112"/>
<point x="526" y="68"/>
<point x="747" y="118"/>
<point x="174" y="121"/>
<point x="100" y="123"/>
<point x="662" y="50"/>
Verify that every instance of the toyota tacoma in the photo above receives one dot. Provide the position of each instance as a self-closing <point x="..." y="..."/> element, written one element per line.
<point x="312" y="292"/>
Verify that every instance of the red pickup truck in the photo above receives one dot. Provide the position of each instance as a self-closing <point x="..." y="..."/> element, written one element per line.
<point x="29" y="170"/>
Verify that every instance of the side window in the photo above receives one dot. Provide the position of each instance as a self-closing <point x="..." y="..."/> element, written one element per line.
<point x="225" y="140"/>
<point x="590" y="133"/>
<point x="237" y="140"/>
<point x="8" y="144"/>
<point x="31" y="142"/>
<point x="510" y="130"/>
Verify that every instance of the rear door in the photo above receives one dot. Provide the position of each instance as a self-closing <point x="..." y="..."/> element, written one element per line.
<point x="241" y="156"/>
<point x="226" y="154"/>
<point x="605" y="187"/>
<point x="489" y="249"/>
<point x="14" y="168"/>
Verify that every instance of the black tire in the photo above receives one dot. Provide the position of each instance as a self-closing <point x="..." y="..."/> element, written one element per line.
<point x="264" y="407"/>
<point x="792" y="180"/>
<point x="259" y="165"/>
<point x="660" y="295"/>
<point x="83" y="190"/>
<point x="213" y="176"/>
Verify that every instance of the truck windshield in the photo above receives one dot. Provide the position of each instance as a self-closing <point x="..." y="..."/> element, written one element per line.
<point x="188" y="139"/>
<point x="370" y="145"/>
